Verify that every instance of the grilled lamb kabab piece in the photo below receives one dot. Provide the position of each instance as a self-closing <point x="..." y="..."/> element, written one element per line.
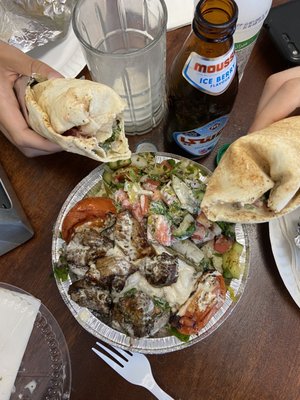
<point x="160" y="270"/>
<point x="202" y="305"/>
<point x="110" y="272"/>
<point x="93" y="297"/>
<point x="84" y="230"/>
<point x="137" y="315"/>
<point x="85" y="248"/>
<point x="131" y="237"/>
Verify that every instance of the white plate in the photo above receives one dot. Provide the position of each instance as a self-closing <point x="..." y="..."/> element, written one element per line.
<point x="287" y="255"/>
<point x="64" y="55"/>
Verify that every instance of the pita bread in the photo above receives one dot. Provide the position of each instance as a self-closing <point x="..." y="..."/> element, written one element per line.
<point x="261" y="164"/>
<point x="81" y="116"/>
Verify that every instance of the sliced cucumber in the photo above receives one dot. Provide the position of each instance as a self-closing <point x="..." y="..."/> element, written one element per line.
<point x="143" y="160"/>
<point x="119" y="164"/>
<point x="217" y="261"/>
<point x="107" y="177"/>
<point x="186" y="228"/>
<point x="231" y="262"/>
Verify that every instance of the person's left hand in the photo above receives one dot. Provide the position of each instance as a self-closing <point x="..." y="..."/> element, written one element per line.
<point x="13" y="64"/>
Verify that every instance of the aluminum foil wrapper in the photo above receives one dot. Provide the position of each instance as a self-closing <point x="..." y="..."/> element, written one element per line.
<point x="27" y="24"/>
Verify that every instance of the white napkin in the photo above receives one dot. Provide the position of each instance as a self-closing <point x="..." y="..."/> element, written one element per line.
<point x="180" y="13"/>
<point x="17" y="315"/>
<point x="287" y="255"/>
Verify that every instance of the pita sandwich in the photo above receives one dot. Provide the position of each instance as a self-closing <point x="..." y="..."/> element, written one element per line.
<point x="81" y="116"/>
<point x="258" y="178"/>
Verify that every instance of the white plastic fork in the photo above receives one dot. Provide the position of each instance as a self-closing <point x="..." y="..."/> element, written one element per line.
<point x="135" y="369"/>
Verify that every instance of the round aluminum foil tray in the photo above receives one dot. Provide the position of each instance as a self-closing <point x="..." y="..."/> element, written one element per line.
<point x="145" y="345"/>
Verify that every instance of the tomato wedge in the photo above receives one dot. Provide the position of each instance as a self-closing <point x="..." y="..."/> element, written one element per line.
<point x="199" y="309"/>
<point x="222" y="244"/>
<point x="88" y="209"/>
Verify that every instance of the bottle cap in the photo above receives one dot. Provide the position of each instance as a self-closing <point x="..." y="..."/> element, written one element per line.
<point x="221" y="152"/>
<point x="146" y="147"/>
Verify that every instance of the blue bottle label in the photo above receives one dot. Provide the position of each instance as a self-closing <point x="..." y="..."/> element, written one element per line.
<point x="201" y="141"/>
<point x="210" y="75"/>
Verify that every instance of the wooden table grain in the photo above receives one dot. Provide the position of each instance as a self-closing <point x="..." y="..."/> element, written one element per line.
<point x="254" y="355"/>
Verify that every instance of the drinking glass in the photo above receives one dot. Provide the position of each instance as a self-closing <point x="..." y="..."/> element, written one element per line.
<point x="124" y="42"/>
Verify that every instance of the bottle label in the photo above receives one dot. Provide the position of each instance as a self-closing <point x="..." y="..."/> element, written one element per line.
<point x="241" y="45"/>
<point x="210" y="75"/>
<point x="201" y="141"/>
<point x="255" y="23"/>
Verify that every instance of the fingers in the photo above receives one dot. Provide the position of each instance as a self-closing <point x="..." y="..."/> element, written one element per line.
<point x="15" y="128"/>
<point x="31" y="144"/>
<point x="19" y="89"/>
<point x="42" y="69"/>
<point x="278" y="101"/>
<point x="15" y="61"/>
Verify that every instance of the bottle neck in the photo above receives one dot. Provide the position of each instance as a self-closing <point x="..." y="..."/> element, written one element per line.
<point x="215" y="20"/>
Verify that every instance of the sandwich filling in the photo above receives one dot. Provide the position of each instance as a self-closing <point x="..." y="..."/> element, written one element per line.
<point x="81" y="116"/>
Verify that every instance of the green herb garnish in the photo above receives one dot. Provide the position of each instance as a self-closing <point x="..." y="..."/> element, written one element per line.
<point x="161" y="303"/>
<point x="130" y="292"/>
<point x="174" y="332"/>
<point x="228" y="229"/>
<point x="157" y="207"/>
<point x="61" y="272"/>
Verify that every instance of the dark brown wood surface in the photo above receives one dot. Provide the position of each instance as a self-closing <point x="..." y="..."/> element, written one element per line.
<point x="254" y="355"/>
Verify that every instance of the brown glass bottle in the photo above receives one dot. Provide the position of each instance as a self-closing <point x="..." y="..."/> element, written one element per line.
<point x="204" y="82"/>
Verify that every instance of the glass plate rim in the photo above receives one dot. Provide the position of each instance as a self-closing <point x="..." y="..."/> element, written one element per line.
<point x="45" y="313"/>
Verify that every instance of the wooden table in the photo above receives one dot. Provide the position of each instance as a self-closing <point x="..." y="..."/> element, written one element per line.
<point x="255" y="354"/>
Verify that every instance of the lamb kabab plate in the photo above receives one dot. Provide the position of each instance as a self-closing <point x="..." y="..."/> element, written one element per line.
<point x="137" y="262"/>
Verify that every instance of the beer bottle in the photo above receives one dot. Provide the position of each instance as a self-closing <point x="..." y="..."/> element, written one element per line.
<point x="203" y="82"/>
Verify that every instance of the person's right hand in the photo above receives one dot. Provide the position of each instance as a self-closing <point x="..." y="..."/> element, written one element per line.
<point x="280" y="97"/>
<point x="13" y="64"/>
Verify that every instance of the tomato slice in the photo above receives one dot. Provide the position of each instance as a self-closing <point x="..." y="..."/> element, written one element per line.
<point x="88" y="209"/>
<point x="222" y="244"/>
<point x="197" y="314"/>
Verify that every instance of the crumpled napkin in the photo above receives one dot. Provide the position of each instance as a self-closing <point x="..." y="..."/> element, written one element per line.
<point x="180" y="13"/>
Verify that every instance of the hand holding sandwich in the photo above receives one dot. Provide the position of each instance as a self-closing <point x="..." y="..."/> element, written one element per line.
<point x="280" y="98"/>
<point x="13" y="64"/>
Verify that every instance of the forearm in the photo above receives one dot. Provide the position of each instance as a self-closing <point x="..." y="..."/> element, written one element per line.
<point x="280" y="97"/>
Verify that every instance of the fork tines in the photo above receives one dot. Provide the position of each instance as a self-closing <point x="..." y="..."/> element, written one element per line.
<point x="114" y="354"/>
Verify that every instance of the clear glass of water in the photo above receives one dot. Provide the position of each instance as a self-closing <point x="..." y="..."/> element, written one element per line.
<point x="124" y="42"/>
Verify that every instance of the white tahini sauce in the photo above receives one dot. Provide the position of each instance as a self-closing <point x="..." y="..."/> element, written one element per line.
<point x="175" y="294"/>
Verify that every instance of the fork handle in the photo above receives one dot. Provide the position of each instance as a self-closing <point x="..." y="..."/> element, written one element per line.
<point x="159" y="393"/>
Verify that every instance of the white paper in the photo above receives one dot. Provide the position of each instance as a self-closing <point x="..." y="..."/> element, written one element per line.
<point x="180" y="13"/>
<point x="17" y="315"/>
